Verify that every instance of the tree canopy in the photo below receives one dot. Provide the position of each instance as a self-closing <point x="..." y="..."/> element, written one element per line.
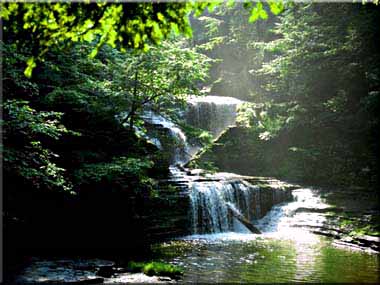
<point x="120" y="25"/>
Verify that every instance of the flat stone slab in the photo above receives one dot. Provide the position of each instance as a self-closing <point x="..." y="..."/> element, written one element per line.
<point x="198" y="175"/>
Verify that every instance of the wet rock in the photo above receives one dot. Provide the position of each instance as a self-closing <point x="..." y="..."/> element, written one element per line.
<point x="165" y="279"/>
<point x="106" y="271"/>
<point x="370" y="241"/>
<point x="196" y="172"/>
<point x="120" y="269"/>
<point x="319" y="210"/>
<point x="95" y="280"/>
<point x="343" y="237"/>
<point x="350" y="245"/>
<point x="173" y="202"/>
<point x="328" y="233"/>
<point x="138" y="278"/>
<point x="347" y="239"/>
<point x="81" y="271"/>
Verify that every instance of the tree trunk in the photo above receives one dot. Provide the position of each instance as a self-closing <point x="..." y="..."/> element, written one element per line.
<point x="243" y="220"/>
<point x="131" y="116"/>
<point x="134" y="104"/>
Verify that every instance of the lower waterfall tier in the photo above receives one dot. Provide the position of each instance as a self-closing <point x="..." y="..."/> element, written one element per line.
<point x="212" y="202"/>
<point x="191" y="204"/>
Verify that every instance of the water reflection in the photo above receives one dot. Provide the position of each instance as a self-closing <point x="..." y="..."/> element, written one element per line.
<point x="303" y="211"/>
<point x="232" y="257"/>
<point x="285" y="221"/>
<point x="285" y="252"/>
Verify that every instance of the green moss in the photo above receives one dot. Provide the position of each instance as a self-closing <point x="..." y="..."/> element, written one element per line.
<point x="135" y="266"/>
<point x="162" y="269"/>
<point x="359" y="226"/>
<point x="155" y="268"/>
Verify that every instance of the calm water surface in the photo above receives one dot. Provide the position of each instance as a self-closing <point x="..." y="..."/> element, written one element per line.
<point x="285" y="252"/>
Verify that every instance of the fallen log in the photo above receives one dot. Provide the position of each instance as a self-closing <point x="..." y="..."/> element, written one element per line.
<point x="235" y="213"/>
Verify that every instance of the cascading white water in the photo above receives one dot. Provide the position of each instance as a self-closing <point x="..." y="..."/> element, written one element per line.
<point x="214" y="203"/>
<point x="182" y="150"/>
<point x="211" y="203"/>
<point x="284" y="218"/>
<point x="212" y="113"/>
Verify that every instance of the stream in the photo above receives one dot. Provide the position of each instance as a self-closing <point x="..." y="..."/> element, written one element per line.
<point x="220" y="248"/>
<point x="286" y="251"/>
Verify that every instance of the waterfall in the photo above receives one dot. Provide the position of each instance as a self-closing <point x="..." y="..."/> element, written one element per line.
<point x="181" y="150"/>
<point x="221" y="202"/>
<point x="212" y="113"/>
<point x="210" y="202"/>
<point x="213" y="201"/>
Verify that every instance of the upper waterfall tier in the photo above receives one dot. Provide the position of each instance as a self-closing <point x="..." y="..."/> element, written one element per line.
<point x="180" y="150"/>
<point x="212" y="113"/>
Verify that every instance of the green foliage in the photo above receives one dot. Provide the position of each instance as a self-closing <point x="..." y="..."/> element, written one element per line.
<point x="315" y="92"/>
<point x="357" y="227"/>
<point x="159" y="79"/>
<point x="120" y="168"/>
<point x="24" y="154"/>
<point x="196" y="136"/>
<point x="38" y="147"/>
<point x="207" y="166"/>
<point x="324" y="66"/>
<point x="155" y="268"/>
<point x="88" y="96"/>
<point x="131" y="25"/>
<point x="228" y="37"/>
<point x="135" y="266"/>
<point x="162" y="269"/>
<point x="62" y="123"/>
<point x="269" y="118"/>
<point x="47" y="26"/>
<point x="258" y="13"/>
<point x="32" y="123"/>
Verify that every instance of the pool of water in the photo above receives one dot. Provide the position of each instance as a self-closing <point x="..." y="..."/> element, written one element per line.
<point x="232" y="257"/>
<point x="286" y="251"/>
